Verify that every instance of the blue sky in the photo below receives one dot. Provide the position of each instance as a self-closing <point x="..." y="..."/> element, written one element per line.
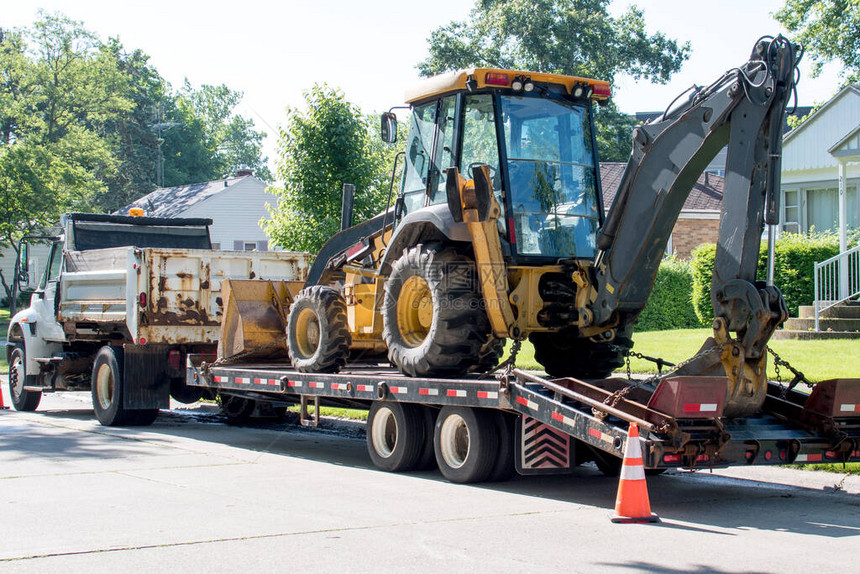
<point x="272" y="51"/>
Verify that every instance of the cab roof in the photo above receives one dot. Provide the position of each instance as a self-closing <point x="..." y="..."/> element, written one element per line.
<point x="494" y="78"/>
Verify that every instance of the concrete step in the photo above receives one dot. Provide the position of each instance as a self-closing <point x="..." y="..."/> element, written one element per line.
<point x="844" y="311"/>
<point x="783" y="334"/>
<point x="807" y="324"/>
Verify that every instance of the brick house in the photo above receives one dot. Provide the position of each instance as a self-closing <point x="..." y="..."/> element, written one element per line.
<point x="699" y="221"/>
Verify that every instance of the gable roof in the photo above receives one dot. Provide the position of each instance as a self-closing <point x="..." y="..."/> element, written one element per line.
<point x="706" y="195"/>
<point x="174" y="201"/>
<point x="851" y="88"/>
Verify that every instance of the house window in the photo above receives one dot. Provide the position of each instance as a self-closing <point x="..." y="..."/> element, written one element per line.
<point x="249" y="246"/>
<point x="216" y="246"/>
<point x="791" y="213"/>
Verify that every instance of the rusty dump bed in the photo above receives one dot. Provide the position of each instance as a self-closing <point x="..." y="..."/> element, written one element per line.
<point x="680" y="419"/>
<point x="161" y="295"/>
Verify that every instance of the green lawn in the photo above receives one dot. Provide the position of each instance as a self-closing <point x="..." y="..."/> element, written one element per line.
<point x="818" y="360"/>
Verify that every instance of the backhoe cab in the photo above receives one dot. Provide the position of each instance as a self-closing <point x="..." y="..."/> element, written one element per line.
<point x="499" y="204"/>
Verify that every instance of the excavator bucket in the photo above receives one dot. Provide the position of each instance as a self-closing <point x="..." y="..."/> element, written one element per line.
<point x="255" y="318"/>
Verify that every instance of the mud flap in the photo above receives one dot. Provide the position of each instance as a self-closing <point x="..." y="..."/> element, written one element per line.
<point x="542" y="449"/>
<point x="146" y="384"/>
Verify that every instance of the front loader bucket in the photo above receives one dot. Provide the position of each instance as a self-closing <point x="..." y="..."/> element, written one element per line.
<point x="255" y="318"/>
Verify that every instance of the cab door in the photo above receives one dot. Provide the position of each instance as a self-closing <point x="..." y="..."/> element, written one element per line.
<point x="45" y="302"/>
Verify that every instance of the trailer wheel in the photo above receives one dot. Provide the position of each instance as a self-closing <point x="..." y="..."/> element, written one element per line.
<point x="606" y="463"/>
<point x="466" y="444"/>
<point x="395" y="435"/>
<point x="503" y="468"/>
<point x="433" y="323"/>
<point x="427" y="460"/>
<point x="236" y="409"/>
<point x="183" y="393"/>
<point x="318" y="335"/>
<point x="22" y="400"/>
<point x="107" y="387"/>
<point x="566" y="355"/>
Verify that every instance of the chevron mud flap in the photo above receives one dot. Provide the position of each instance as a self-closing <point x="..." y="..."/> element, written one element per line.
<point x="542" y="449"/>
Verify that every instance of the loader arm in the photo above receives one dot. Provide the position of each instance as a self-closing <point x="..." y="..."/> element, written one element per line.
<point x="745" y="111"/>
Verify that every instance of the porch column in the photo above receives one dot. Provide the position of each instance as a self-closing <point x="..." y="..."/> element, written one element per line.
<point x="843" y="231"/>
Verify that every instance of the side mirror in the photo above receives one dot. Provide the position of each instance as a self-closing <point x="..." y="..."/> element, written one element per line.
<point x="23" y="267"/>
<point x="388" y="127"/>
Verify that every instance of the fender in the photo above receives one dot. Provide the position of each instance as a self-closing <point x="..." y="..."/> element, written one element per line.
<point x="21" y="329"/>
<point x="430" y="223"/>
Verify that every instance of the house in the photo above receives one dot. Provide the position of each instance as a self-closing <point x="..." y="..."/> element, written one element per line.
<point x="699" y="221"/>
<point x="820" y="171"/>
<point x="236" y="205"/>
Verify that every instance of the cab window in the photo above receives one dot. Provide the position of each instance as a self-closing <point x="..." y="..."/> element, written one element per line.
<point x="418" y="157"/>
<point x="52" y="270"/>
<point x="444" y="148"/>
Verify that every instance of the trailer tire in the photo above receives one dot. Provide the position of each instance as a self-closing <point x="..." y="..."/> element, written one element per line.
<point x="466" y="444"/>
<point x="107" y="387"/>
<point x="237" y="409"/>
<point x="318" y="335"/>
<point x="606" y="463"/>
<point x="183" y="393"/>
<point x="427" y="460"/>
<point x="566" y="355"/>
<point x="504" y="468"/>
<point x="395" y="435"/>
<point x="22" y="400"/>
<point x="433" y="323"/>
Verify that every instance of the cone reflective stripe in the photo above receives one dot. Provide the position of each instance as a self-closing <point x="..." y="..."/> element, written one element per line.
<point x="632" y="504"/>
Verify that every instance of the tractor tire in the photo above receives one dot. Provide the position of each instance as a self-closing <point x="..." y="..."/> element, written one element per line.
<point x="466" y="444"/>
<point x="565" y="355"/>
<point x="318" y="335"/>
<point x="490" y="355"/>
<point x="22" y="400"/>
<point x="433" y="323"/>
<point x="395" y="435"/>
<point x="107" y="388"/>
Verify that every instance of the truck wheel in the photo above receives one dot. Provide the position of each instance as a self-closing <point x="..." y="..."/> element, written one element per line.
<point x="22" y="400"/>
<point x="183" y="393"/>
<point x="395" y="435"/>
<point x="466" y="444"/>
<point x="503" y="468"/>
<point x="143" y="417"/>
<point x="565" y="355"/>
<point x="317" y="331"/>
<point x="107" y="388"/>
<point x="433" y="323"/>
<point x="236" y="409"/>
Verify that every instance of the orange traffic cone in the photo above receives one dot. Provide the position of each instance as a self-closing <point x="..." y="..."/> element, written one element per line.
<point x="631" y="504"/>
<point x="2" y="406"/>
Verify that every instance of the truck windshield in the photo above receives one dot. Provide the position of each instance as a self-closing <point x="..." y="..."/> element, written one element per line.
<point x="552" y="176"/>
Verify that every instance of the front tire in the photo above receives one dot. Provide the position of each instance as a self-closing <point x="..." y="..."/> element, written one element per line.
<point x="22" y="400"/>
<point x="318" y="335"/>
<point x="433" y="323"/>
<point x="466" y="444"/>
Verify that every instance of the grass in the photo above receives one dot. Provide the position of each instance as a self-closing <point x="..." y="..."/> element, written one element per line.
<point x="818" y="360"/>
<point x="850" y="468"/>
<point x="353" y="414"/>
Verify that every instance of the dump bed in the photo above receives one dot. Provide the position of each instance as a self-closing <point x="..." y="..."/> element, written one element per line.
<point x="160" y="295"/>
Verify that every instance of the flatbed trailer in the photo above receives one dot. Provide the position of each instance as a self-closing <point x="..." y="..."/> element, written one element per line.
<point x="557" y="424"/>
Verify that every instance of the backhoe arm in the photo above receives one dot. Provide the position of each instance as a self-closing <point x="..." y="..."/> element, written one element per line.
<point x="744" y="110"/>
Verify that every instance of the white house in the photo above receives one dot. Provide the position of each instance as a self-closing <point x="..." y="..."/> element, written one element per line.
<point x="821" y="168"/>
<point x="235" y="205"/>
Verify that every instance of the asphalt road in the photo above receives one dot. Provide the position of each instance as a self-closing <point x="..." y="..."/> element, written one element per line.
<point x="192" y="494"/>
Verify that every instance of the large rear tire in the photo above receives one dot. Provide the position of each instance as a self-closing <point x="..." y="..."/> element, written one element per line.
<point x="466" y="444"/>
<point x="22" y="400"/>
<point x="317" y="331"/>
<point x="433" y="323"/>
<point x="566" y="355"/>
<point x="107" y="388"/>
<point x="395" y="435"/>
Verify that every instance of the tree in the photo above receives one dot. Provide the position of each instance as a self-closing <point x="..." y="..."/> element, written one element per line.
<point x="321" y="148"/>
<point x="828" y="29"/>
<point x="574" y="37"/>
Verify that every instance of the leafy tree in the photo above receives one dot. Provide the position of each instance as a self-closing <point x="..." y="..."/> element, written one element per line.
<point x="322" y="148"/>
<point x="828" y="29"/>
<point x="574" y="37"/>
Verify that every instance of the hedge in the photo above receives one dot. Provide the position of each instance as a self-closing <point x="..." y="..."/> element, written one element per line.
<point x="794" y="268"/>
<point x="670" y="305"/>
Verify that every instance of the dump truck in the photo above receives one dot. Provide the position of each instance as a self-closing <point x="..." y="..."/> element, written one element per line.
<point x="406" y="314"/>
<point x="120" y="303"/>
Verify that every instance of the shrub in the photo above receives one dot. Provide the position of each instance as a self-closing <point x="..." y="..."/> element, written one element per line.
<point x="794" y="269"/>
<point x="670" y="306"/>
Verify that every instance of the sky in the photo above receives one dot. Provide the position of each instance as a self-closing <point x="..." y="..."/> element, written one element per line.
<point x="273" y="51"/>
